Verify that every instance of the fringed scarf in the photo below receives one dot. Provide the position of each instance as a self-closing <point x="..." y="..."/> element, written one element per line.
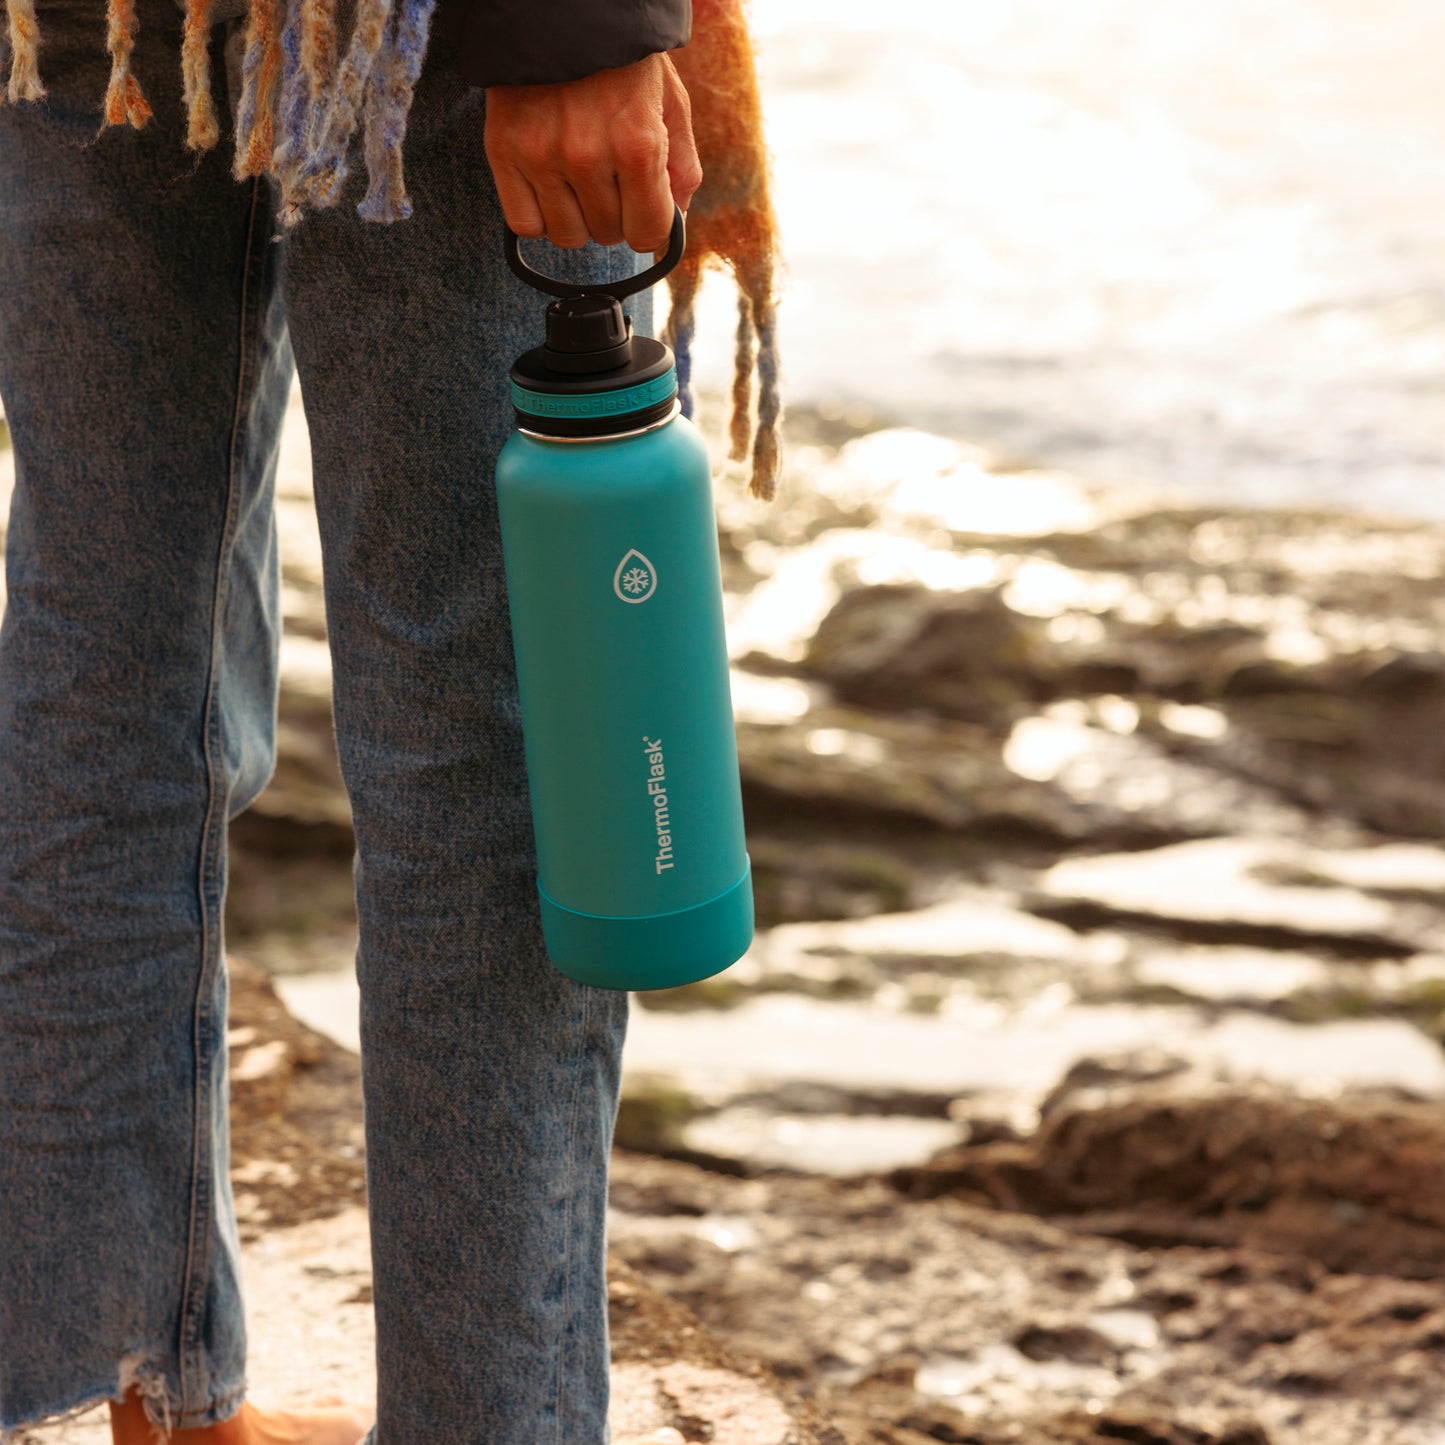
<point x="731" y="221"/>
<point x="303" y="102"/>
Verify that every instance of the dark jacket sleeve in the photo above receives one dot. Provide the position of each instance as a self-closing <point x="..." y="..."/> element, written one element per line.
<point x="533" y="42"/>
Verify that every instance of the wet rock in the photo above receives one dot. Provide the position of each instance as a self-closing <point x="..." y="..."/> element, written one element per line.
<point x="721" y="991"/>
<point x="989" y="1047"/>
<point x="1207" y="1344"/>
<point x="1372" y="753"/>
<point x="1320" y="664"/>
<point x="1354" y="1186"/>
<point x="1095" y="1081"/>
<point x="1126" y="1426"/>
<point x="975" y="942"/>
<point x="800" y="1125"/>
<point x="989" y="653"/>
<point x="754" y="1140"/>
<point x="967" y="656"/>
<point x="970" y="925"/>
<point x="841" y="765"/>
<point x="1075" y="1342"/>
<point x="804" y="1097"/>
<point x="1325" y="673"/>
<point x="652" y="1114"/>
<point x="805" y="877"/>
<point x="1242" y="975"/>
<point x="1093" y="757"/>
<point x="1233" y="890"/>
<point x="1403" y="872"/>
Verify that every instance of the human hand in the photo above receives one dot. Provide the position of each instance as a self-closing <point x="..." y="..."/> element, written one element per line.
<point x="603" y="157"/>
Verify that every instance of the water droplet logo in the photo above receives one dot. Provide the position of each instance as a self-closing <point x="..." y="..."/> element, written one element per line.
<point x="635" y="579"/>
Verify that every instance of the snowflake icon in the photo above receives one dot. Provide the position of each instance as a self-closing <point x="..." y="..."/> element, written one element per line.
<point x="635" y="578"/>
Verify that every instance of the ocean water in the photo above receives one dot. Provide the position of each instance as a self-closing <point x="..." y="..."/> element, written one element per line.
<point x="1197" y="247"/>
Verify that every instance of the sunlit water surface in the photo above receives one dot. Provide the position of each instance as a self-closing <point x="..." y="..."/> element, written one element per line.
<point x="1170" y="244"/>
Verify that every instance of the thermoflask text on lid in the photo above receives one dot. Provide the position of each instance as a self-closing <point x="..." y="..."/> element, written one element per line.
<point x="615" y="591"/>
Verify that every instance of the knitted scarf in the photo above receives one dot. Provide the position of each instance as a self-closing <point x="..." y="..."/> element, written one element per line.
<point x="731" y="222"/>
<point x="306" y="99"/>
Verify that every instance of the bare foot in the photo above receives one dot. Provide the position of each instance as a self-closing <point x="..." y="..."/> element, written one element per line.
<point x="667" y="1436"/>
<point x="249" y="1426"/>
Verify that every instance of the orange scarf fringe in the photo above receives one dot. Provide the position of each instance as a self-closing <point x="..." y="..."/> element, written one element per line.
<point x="731" y="224"/>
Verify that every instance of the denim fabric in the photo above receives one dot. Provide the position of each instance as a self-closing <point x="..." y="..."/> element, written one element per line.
<point x="148" y="316"/>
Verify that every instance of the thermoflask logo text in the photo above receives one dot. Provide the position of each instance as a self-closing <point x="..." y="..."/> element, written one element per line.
<point x="657" y="791"/>
<point x="635" y="579"/>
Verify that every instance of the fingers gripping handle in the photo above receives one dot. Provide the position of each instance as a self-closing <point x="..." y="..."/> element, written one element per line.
<point x="676" y="243"/>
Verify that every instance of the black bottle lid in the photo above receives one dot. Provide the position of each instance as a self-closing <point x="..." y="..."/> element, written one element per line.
<point x="593" y="377"/>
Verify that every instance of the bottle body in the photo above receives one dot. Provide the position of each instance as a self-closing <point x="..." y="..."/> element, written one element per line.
<point x="615" y="595"/>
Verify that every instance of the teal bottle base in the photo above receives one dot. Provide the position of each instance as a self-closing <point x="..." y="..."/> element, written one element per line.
<point x="665" y="950"/>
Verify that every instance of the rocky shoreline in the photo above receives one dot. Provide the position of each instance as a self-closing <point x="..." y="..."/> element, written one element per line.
<point x="1125" y="816"/>
<point x="1083" y="1083"/>
<point x="1169" y="1268"/>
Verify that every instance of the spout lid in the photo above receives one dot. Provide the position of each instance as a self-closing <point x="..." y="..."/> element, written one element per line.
<point x="592" y="377"/>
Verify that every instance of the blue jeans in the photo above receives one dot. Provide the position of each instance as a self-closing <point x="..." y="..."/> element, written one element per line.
<point x="148" y="318"/>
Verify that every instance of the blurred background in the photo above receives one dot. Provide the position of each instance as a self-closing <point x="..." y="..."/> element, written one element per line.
<point x="1083" y="1082"/>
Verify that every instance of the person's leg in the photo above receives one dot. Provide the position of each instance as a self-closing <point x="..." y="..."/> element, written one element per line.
<point x="144" y="370"/>
<point x="490" y="1078"/>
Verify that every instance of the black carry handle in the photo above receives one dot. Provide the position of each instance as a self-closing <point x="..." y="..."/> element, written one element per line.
<point x="618" y="289"/>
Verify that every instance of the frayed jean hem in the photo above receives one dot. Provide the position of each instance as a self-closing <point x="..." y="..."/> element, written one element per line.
<point x="139" y="1372"/>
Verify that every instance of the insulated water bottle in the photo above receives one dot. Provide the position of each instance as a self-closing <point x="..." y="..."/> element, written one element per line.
<point x="615" y="592"/>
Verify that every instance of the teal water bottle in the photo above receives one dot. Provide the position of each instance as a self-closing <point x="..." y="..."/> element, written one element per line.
<point x="613" y="581"/>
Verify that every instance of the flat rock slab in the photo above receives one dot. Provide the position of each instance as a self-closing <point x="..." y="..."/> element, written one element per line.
<point x="1252" y="888"/>
<point x="737" y="1411"/>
